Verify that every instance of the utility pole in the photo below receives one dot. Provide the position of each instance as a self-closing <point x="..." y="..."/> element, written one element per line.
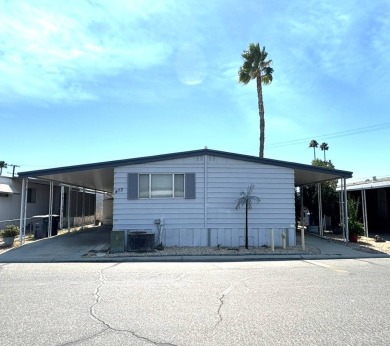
<point x="13" y="169"/>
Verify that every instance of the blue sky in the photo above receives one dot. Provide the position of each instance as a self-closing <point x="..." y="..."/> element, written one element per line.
<point x="92" y="81"/>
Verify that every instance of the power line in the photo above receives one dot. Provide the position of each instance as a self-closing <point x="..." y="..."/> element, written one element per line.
<point x="332" y="135"/>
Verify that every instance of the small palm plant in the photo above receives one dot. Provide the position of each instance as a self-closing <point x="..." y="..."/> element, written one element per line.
<point x="247" y="199"/>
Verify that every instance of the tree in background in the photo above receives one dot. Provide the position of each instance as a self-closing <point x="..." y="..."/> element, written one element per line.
<point x="256" y="66"/>
<point x="2" y="165"/>
<point x="313" y="144"/>
<point x="324" y="147"/>
<point x="247" y="199"/>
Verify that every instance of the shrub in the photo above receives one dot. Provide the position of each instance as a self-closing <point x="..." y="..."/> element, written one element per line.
<point x="10" y="231"/>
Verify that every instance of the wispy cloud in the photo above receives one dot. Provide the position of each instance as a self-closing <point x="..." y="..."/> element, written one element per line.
<point x="56" y="48"/>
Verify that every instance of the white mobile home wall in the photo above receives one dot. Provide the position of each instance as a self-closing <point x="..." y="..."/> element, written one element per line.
<point x="10" y="204"/>
<point x="211" y="218"/>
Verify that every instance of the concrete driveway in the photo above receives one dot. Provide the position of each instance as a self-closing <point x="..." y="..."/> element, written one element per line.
<point x="66" y="247"/>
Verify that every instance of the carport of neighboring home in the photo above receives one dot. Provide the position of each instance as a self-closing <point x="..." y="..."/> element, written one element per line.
<point x="189" y="198"/>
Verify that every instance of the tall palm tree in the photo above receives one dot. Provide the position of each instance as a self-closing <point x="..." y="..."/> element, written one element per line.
<point x="2" y="165"/>
<point x="246" y="199"/>
<point x="256" y="66"/>
<point x="313" y="144"/>
<point x="324" y="147"/>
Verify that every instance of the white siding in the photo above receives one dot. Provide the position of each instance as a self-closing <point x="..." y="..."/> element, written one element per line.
<point x="211" y="218"/>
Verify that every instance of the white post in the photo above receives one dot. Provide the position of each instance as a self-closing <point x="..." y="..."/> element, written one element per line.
<point x="22" y="207"/>
<point x="364" y="210"/>
<point x="49" y="226"/>
<point x="94" y="214"/>
<point x="342" y="214"/>
<point x="303" y="221"/>
<point x="62" y="207"/>
<point x="346" y="210"/>
<point x="83" y="210"/>
<point x="272" y="240"/>
<point x="24" y="213"/>
<point x="320" y="225"/>
<point x="68" y="208"/>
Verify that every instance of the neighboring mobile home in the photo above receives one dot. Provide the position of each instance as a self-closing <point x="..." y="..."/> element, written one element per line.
<point x="37" y="202"/>
<point x="189" y="198"/>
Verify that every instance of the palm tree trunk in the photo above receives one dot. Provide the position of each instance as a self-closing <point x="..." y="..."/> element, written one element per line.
<point x="314" y="152"/>
<point x="246" y="226"/>
<point x="261" y="115"/>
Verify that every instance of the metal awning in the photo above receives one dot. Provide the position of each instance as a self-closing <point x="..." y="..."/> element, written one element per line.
<point x="5" y="188"/>
<point x="100" y="176"/>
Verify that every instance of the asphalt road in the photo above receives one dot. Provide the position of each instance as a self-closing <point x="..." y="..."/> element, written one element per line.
<point x="334" y="302"/>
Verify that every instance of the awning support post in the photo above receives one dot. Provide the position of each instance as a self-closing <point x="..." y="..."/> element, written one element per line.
<point x="345" y="209"/>
<point x="303" y="220"/>
<point x="83" y="210"/>
<point x="320" y="225"/>
<point x="364" y="212"/>
<point x="62" y="207"/>
<point x="68" y="207"/>
<point x="49" y="226"/>
<point x="23" y="210"/>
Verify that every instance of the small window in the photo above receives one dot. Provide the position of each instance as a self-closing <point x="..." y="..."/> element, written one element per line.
<point x="31" y="195"/>
<point x="179" y="185"/>
<point x="144" y="186"/>
<point x="161" y="185"/>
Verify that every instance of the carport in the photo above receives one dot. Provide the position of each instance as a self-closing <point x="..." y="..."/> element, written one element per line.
<point x="375" y="200"/>
<point x="100" y="177"/>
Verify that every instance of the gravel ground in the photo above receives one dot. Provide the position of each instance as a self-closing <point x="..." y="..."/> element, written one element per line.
<point x="215" y="251"/>
<point x="364" y="244"/>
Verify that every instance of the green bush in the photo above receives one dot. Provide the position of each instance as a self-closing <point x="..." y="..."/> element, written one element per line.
<point x="10" y="231"/>
<point x="354" y="225"/>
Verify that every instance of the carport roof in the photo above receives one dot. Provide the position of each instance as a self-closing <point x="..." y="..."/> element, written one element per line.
<point x="100" y="176"/>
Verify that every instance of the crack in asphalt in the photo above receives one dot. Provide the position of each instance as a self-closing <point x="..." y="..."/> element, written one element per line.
<point x="107" y="326"/>
<point x="221" y="302"/>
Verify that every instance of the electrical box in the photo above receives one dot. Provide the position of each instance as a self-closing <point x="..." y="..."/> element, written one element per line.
<point x="117" y="243"/>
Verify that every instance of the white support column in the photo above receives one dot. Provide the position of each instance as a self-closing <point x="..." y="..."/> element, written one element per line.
<point x="23" y="203"/>
<point x="205" y="192"/>
<point x="83" y="210"/>
<point x="68" y="207"/>
<point x="303" y="220"/>
<point x="62" y="207"/>
<point x="94" y="214"/>
<point x="364" y="212"/>
<point x="24" y="212"/>
<point x="49" y="226"/>
<point x="320" y="226"/>
<point x="346" y="210"/>
<point x="342" y="214"/>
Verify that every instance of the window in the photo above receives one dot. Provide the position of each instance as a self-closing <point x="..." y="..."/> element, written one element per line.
<point x="31" y="195"/>
<point x="161" y="185"/>
<point x="141" y="186"/>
